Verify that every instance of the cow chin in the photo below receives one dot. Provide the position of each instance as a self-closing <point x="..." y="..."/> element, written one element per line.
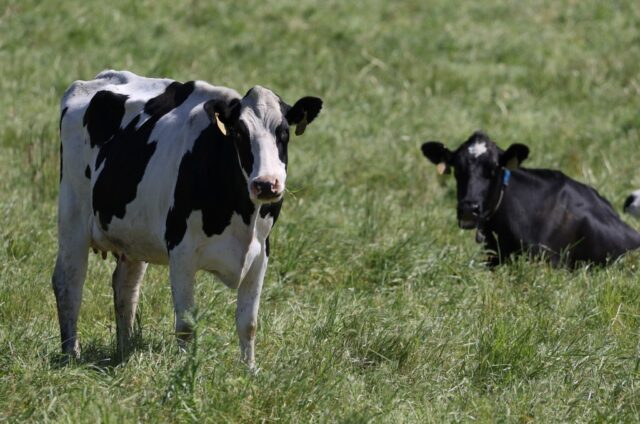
<point x="467" y="220"/>
<point x="467" y="224"/>
<point x="265" y="200"/>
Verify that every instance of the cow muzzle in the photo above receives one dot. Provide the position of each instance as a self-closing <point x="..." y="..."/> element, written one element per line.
<point x="267" y="189"/>
<point x="632" y="204"/>
<point x="468" y="215"/>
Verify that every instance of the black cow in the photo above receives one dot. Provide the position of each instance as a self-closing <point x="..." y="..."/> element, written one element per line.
<point x="536" y="211"/>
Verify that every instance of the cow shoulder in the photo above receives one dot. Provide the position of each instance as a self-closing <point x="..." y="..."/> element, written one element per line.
<point x="209" y="180"/>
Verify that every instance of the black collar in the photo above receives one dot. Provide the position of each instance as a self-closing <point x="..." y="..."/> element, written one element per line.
<point x="505" y="177"/>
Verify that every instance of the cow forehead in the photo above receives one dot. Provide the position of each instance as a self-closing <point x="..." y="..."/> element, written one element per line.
<point x="478" y="149"/>
<point x="261" y="110"/>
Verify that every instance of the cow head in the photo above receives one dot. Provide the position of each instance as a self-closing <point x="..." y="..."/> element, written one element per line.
<point x="477" y="165"/>
<point x="259" y="124"/>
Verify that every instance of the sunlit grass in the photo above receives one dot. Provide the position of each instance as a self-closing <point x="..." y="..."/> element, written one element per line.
<point x="376" y="307"/>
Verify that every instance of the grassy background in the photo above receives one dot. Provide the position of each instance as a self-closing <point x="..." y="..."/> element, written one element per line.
<point x="376" y="307"/>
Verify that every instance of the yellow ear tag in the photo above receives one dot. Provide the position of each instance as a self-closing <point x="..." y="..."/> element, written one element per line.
<point x="512" y="164"/>
<point x="221" y="126"/>
<point x="302" y="125"/>
<point x="441" y="168"/>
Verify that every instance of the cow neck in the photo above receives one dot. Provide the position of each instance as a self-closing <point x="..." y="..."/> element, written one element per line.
<point x="496" y="200"/>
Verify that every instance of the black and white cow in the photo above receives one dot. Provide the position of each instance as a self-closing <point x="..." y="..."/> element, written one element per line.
<point x="632" y="204"/>
<point x="185" y="174"/>
<point x="537" y="211"/>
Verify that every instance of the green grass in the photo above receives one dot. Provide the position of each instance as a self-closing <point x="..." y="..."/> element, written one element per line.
<point x="376" y="307"/>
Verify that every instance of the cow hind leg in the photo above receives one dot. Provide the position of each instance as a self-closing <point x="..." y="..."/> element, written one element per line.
<point x="67" y="281"/>
<point x="126" y="281"/>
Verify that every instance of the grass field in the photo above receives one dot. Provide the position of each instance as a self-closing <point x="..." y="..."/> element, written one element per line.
<point x="376" y="306"/>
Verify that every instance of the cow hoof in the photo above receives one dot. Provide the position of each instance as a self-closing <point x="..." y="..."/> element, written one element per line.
<point x="72" y="352"/>
<point x="251" y="367"/>
<point x="182" y="346"/>
<point x="67" y="358"/>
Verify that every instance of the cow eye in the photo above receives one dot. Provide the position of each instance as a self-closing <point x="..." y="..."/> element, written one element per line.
<point x="283" y="135"/>
<point x="243" y="132"/>
<point x="489" y="171"/>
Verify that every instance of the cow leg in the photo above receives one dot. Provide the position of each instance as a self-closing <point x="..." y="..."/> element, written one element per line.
<point x="182" y="281"/>
<point x="247" y="308"/>
<point x="126" y="281"/>
<point x="68" y="280"/>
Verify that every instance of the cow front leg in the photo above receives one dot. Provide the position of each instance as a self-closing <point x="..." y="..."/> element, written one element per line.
<point x="126" y="290"/>
<point x="247" y="309"/>
<point x="182" y="277"/>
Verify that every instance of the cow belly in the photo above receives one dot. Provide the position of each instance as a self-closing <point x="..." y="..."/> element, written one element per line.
<point x="135" y="243"/>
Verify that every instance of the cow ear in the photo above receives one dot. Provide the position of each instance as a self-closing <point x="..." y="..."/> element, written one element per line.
<point x="223" y="113"/>
<point x="514" y="156"/>
<point x="303" y="112"/>
<point x="438" y="155"/>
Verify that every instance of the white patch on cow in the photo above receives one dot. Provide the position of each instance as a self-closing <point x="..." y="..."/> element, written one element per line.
<point x="478" y="149"/>
<point x="262" y="115"/>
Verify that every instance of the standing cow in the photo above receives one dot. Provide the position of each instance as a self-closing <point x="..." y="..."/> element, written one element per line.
<point x="185" y="174"/>
<point x="538" y="211"/>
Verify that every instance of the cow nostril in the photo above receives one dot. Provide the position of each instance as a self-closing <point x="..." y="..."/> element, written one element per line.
<point x="264" y="188"/>
<point x="470" y="207"/>
<point x="261" y="186"/>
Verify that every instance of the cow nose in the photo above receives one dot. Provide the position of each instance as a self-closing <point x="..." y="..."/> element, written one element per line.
<point x="473" y="207"/>
<point x="266" y="187"/>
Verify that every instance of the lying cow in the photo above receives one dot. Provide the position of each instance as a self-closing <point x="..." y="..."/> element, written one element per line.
<point x="185" y="174"/>
<point x="538" y="211"/>
<point x="632" y="204"/>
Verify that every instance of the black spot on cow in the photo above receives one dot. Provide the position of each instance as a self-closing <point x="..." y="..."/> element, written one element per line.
<point x="271" y="209"/>
<point x="87" y="172"/>
<point x="174" y="95"/>
<point x="282" y="142"/>
<point x="64" y="111"/>
<point x="209" y="180"/>
<point x="103" y="116"/>
<point x="124" y="151"/>
<point x="126" y="156"/>
<point x="243" y="146"/>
